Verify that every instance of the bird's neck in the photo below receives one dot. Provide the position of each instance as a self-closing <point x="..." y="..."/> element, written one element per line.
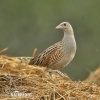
<point x="68" y="38"/>
<point x="69" y="42"/>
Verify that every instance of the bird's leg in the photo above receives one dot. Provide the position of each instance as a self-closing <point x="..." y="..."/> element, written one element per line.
<point x="57" y="71"/>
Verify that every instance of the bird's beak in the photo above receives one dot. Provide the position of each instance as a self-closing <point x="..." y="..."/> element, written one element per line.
<point x="58" y="27"/>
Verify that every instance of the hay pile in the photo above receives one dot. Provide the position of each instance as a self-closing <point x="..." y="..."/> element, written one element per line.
<point x="19" y="81"/>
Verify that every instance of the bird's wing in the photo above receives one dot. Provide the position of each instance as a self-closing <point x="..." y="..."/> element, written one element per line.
<point x="45" y="57"/>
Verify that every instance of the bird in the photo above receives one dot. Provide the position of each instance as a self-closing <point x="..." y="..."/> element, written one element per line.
<point x="60" y="54"/>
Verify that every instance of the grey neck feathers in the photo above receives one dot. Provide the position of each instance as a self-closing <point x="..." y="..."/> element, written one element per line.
<point x="69" y="43"/>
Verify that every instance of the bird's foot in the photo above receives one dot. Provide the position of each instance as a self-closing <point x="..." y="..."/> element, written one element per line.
<point x="59" y="72"/>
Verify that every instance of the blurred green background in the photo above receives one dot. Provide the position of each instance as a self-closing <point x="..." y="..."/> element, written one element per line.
<point x="29" y="24"/>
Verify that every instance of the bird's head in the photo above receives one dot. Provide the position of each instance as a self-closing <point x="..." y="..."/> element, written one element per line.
<point x="65" y="27"/>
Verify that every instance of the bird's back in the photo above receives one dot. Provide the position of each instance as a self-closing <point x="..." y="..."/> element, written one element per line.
<point x="50" y="56"/>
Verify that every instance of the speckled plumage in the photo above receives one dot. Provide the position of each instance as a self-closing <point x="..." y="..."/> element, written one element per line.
<point x="59" y="54"/>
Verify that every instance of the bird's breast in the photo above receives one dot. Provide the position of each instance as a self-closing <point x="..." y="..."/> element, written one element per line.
<point x="69" y="46"/>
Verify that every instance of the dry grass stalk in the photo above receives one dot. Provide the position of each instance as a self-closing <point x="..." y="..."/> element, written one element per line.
<point x="34" y="52"/>
<point x="3" y="50"/>
<point x="94" y="77"/>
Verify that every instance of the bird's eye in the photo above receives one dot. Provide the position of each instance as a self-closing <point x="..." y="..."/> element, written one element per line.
<point x="64" y="24"/>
